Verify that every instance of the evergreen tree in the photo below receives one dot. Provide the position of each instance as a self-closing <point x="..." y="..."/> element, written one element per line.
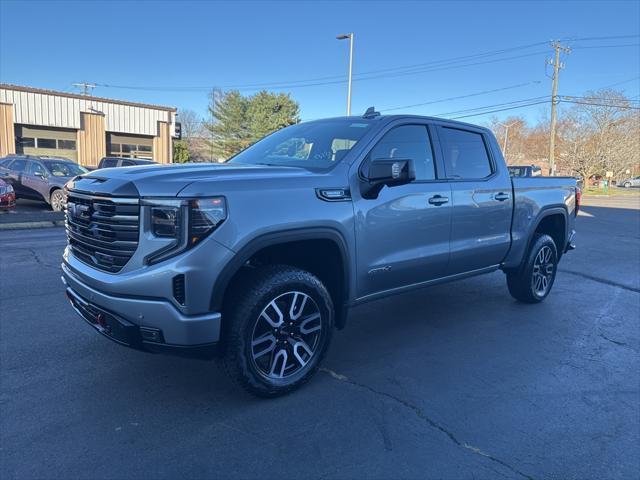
<point x="241" y="121"/>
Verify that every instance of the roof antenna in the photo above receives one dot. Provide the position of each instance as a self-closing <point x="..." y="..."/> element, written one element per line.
<point x="371" y="113"/>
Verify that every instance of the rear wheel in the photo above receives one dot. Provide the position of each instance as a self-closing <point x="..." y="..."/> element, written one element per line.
<point x="57" y="200"/>
<point x="279" y="329"/>
<point x="533" y="281"/>
<point x="627" y="184"/>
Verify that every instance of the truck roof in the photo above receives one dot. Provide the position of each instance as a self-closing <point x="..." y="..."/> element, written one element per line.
<point x="389" y="118"/>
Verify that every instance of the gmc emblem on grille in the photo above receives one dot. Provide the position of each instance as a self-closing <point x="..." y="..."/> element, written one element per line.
<point x="77" y="210"/>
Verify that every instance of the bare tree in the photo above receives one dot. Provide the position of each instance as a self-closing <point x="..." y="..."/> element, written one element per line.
<point x="596" y="133"/>
<point x="193" y="134"/>
<point x="601" y="135"/>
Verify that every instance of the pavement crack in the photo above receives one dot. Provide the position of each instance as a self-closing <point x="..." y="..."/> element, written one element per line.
<point x="426" y="419"/>
<point x="611" y="283"/>
<point x="39" y="260"/>
<point x="621" y="344"/>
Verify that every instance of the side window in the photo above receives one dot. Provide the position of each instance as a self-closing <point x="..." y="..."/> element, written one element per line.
<point x="35" y="167"/>
<point x="19" y="166"/>
<point x="109" y="162"/>
<point x="127" y="163"/>
<point x="408" y="142"/>
<point x="465" y="154"/>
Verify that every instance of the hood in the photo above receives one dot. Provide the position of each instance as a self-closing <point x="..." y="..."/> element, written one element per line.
<point x="170" y="180"/>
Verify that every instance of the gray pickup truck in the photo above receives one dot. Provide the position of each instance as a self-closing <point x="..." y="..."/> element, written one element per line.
<point x="259" y="259"/>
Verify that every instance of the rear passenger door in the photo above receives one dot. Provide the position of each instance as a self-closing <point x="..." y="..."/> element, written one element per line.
<point x="481" y="197"/>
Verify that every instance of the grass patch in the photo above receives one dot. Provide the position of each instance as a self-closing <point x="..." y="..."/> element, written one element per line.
<point x="611" y="192"/>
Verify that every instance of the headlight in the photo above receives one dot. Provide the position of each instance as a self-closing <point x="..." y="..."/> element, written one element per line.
<point x="181" y="224"/>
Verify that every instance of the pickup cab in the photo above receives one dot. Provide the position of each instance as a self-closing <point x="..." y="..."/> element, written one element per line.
<point x="260" y="259"/>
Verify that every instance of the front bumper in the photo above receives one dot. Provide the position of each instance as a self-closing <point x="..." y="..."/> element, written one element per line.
<point x="147" y="324"/>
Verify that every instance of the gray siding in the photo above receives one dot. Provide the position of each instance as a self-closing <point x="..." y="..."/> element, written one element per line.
<point x="50" y="110"/>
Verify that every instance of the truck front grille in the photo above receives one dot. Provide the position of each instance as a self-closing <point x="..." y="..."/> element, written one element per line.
<point x="102" y="231"/>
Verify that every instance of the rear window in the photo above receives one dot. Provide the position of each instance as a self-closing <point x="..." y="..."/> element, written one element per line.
<point x="109" y="162"/>
<point x="465" y="154"/>
<point x="19" y="166"/>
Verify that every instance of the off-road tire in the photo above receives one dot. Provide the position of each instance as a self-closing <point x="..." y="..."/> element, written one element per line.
<point x="255" y="291"/>
<point x="521" y="282"/>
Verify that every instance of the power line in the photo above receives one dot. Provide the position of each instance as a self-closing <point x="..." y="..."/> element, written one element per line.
<point x="568" y="97"/>
<point x="624" y="107"/>
<point x="615" y="37"/>
<point x="499" y="110"/>
<point x="606" y="46"/>
<point x="484" y="92"/>
<point x="434" y="63"/>
<point x="413" y="69"/>
<point x="334" y="82"/>
<point x="504" y="104"/>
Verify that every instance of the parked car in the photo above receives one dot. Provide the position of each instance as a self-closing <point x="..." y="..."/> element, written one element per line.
<point x="262" y="257"/>
<point x="630" y="182"/>
<point x="112" y="162"/>
<point x="39" y="178"/>
<point x="525" y="171"/>
<point x="7" y="196"/>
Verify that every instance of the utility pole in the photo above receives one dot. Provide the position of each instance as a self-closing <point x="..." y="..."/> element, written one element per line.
<point x="85" y="87"/>
<point x="557" y="65"/>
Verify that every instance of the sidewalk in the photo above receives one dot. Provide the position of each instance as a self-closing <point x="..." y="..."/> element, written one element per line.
<point x="30" y="214"/>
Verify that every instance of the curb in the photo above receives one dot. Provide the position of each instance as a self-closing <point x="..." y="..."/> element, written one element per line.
<point x="31" y="225"/>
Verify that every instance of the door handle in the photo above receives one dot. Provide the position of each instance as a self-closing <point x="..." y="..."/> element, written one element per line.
<point x="501" y="197"/>
<point x="438" y="200"/>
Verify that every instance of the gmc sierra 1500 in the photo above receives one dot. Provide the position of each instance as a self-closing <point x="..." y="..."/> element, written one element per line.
<point x="260" y="258"/>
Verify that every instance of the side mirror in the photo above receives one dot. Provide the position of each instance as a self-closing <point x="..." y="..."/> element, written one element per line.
<point x="389" y="172"/>
<point x="39" y="173"/>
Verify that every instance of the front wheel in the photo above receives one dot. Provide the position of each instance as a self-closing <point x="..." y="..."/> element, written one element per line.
<point x="279" y="328"/>
<point x="627" y="185"/>
<point x="57" y="200"/>
<point x="533" y="281"/>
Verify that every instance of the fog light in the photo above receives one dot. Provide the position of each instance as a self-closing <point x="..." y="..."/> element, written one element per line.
<point x="151" y="335"/>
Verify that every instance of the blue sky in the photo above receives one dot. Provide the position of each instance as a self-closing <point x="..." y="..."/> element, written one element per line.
<point x="172" y="52"/>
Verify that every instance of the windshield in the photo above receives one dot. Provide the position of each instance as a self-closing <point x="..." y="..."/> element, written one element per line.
<point x="65" y="169"/>
<point x="314" y="145"/>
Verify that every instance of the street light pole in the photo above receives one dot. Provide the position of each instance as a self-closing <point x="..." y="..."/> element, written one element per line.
<point x="506" y="136"/>
<point x="350" y="37"/>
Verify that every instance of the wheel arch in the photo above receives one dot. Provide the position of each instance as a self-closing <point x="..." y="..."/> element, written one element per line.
<point x="552" y="221"/>
<point x="52" y="189"/>
<point x="287" y="247"/>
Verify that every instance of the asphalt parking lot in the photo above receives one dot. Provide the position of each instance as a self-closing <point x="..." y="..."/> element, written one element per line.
<point x="450" y="382"/>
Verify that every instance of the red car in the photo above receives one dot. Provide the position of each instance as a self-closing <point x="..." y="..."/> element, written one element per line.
<point x="7" y="196"/>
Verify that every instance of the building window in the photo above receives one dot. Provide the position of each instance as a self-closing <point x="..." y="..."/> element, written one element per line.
<point x="66" y="144"/>
<point x="25" y="142"/>
<point x="45" y="143"/>
<point x="129" y="150"/>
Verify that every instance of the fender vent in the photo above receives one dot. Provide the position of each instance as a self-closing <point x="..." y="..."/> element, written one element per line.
<point x="178" y="289"/>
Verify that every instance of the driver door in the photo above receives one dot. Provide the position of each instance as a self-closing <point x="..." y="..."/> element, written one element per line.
<point x="402" y="236"/>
